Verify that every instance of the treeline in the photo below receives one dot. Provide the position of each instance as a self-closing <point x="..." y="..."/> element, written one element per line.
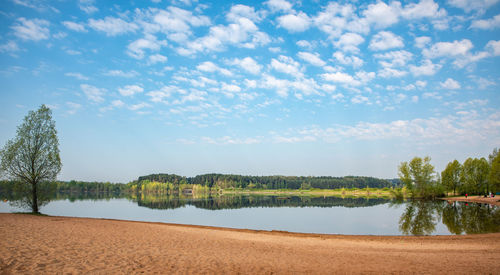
<point x="89" y="187"/>
<point x="225" y="181"/>
<point x="475" y="176"/>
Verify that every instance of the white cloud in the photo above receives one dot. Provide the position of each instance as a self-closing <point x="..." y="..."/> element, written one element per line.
<point x="359" y="99"/>
<point x="242" y="11"/>
<point x="421" y="84"/>
<point x="78" y="76"/>
<point x="286" y="65"/>
<point x="121" y="73"/>
<point x="470" y="58"/>
<point x="494" y="47"/>
<point x="313" y="58"/>
<point x="349" y="42"/>
<point x="394" y="58"/>
<point x="157" y="58"/>
<point x="87" y="6"/>
<point x="139" y="106"/>
<point x="130" y="90"/>
<point x="248" y="64"/>
<point x="279" y="85"/>
<point x="93" y="93"/>
<point x="149" y="42"/>
<point x="74" y="26"/>
<point x="452" y="49"/>
<point x="399" y="98"/>
<point x="450" y="84"/>
<point x="10" y="46"/>
<point x="422" y="41"/>
<point x="230" y="89"/>
<point x="382" y="15"/>
<point x="365" y="76"/>
<point x="73" y="107"/>
<point x="294" y="23"/>
<point x="279" y="5"/>
<point x="473" y="5"/>
<point x="385" y="40"/>
<point x="73" y="52"/>
<point x="426" y="68"/>
<point x="389" y="72"/>
<point x="486" y="24"/>
<point x="117" y="103"/>
<point x="340" y="77"/>
<point x="112" y="26"/>
<point x="348" y="60"/>
<point x="433" y="95"/>
<point x="422" y="9"/>
<point x="34" y="29"/>
<point x="305" y="44"/>
<point x="336" y="18"/>
<point x="163" y="93"/>
<point x="420" y="131"/>
<point x="210" y="67"/>
<point x="241" y="33"/>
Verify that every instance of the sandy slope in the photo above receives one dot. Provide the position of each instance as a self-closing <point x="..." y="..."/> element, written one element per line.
<point x="34" y="244"/>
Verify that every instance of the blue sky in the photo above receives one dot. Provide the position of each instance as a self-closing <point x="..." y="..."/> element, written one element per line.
<point x="260" y="88"/>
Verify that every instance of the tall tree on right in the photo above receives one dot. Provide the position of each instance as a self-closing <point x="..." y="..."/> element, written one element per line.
<point x="494" y="176"/>
<point x="450" y="176"/>
<point x="475" y="176"/>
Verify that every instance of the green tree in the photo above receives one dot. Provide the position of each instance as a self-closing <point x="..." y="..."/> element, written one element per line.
<point x="450" y="176"/>
<point x="494" y="176"/>
<point x="418" y="176"/>
<point x="32" y="157"/>
<point x="475" y="175"/>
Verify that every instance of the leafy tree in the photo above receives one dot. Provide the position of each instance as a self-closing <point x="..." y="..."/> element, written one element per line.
<point x="475" y="175"/>
<point x="493" y="155"/>
<point x="450" y="176"/>
<point x="494" y="176"/>
<point x="32" y="157"/>
<point x="418" y="176"/>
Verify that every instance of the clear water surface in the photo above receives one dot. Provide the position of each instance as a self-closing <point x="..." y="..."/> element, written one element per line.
<point x="328" y="215"/>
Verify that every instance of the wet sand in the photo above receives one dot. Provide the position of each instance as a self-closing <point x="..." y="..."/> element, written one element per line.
<point x="481" y="199"/>
<point x="45" y="244"/>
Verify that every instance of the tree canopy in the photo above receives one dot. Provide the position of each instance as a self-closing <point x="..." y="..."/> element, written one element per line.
<point x="450" y="177"/>
<point x="32" y="157"/>
<point x="419" y="177"/>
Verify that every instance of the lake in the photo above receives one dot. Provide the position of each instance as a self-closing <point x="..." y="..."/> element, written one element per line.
<point x="327" y="215"/>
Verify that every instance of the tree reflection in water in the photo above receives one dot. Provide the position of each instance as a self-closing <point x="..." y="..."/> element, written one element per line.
<point x="473" y="218"/>
<point x="421" y="217"/>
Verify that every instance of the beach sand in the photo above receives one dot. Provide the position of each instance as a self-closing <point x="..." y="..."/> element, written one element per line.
<point x="480" y="199"/>
<point x="45" y="244"/>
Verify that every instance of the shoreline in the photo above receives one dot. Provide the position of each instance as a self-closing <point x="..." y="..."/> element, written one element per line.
<point x="476" y="199"/>
<point x="53" y="244"/>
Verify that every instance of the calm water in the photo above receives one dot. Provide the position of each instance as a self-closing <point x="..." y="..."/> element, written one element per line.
<point x="329" y="215"/>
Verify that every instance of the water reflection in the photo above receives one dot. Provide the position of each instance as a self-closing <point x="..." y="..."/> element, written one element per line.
<point x="415" y="217"/>
<point x="467" y="218"/>
<point x="421" y="217"/>
<point x="249" y="201"/>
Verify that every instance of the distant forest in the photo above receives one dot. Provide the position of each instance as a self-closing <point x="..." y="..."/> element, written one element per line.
<point x="270" y="182"/>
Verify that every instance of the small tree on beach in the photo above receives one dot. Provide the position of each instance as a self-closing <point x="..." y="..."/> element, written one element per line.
<point x="32" y="157"/>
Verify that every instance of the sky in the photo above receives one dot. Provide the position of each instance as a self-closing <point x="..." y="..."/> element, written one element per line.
<point x="304" y="88"/>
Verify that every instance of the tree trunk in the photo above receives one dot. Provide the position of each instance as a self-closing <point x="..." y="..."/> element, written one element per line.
<point x="34" y="207"/>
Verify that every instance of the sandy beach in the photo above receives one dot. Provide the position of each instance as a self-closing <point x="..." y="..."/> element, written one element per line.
<point x="45" y="244"/>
